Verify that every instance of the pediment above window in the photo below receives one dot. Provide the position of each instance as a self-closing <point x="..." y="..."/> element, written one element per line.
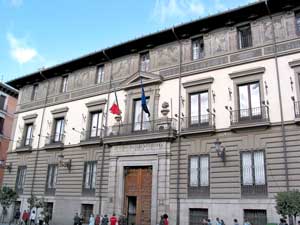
<point x="135" y="79"/>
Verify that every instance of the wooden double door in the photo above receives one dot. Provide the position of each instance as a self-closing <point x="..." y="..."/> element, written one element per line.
<point x="137" y="192"/>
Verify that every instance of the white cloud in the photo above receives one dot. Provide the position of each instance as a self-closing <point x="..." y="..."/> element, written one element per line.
<point x="16" y="3"/>
<point x="19" y="50"/>
<point x="170" y="9"/>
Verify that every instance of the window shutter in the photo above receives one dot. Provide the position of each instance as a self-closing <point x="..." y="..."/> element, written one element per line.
<point x="204" y="171"/>
<point x="247" y="168"/>
<point x="194" y="168"/>
<point x="259" y="168"/>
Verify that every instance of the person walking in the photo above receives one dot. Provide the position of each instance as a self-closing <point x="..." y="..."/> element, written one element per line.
<point x="76" y="219"/>
<point x="92" y="220"/>
<point x="166" y="221"/>
<point x="97" y="220"/>
<point x="104" y="220"/>
<point x="25" y="217"/>
<point x="47" y="218"/>
<point x="122" y="220"/>
<point x="32" y="217"/>
<point x="218" y="222"/>
<point x="247" y="222"/>
<point x="113" y="220"/>
<point x="235" y="222"/>
<point x="161" y="222"/>
<point x="209" y="222"/>
<point x="222" y="222"/>
<point x="41" y="218"/>
<point x="17" y="216"/>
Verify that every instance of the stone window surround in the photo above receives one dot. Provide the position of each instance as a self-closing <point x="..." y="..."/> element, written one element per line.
<point x="28" y="119"/>
<point x="244" y="77"/>
<point x="196" y="86"/>
<point x="151" y="91"/>
<point x="295" y="65"/>
<point x="57" y="114"/>
<point x="95" y="106"/>
<point x="189" y="169"/>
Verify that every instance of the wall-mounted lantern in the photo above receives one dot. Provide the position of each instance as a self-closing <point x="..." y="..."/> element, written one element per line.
<point x="4" y="165"/>
<point x="220" y="149"/>
<point x="64" y="163"/>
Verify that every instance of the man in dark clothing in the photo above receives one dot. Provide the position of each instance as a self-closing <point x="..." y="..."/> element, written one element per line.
<point x="104" y="220"/>
<point x="76" y="219"/>
<point x="17" y="216"/>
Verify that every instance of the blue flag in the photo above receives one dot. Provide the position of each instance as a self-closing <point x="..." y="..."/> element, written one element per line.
<point x="144" y="100"/>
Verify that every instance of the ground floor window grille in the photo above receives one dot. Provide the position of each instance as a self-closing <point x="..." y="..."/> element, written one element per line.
<point x="86" y="211"/>
<point x="197" y="216"/>
<point x="255" y="216"/>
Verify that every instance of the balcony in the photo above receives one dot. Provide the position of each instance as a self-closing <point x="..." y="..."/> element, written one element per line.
<point x="148" y="131"/>
<point x="198" y="124"/>
<point x="91" y="137"/>
<point x="248" y="118"/>
<point x="24" y="145"/>
<point x="297" y="111"/>
<point x="254" y="191"/>
<point x="54" y="142"/>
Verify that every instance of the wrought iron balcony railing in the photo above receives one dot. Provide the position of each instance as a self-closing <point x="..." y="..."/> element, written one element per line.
<point x="201" y="122"/>
<point x="297" y="109"/>
<point x="252" y="115"/>
<point x="254" y="190"/>
<point x="94" y="134"/>
<point x="55" y="139"/>
<point x="153" y="126"/>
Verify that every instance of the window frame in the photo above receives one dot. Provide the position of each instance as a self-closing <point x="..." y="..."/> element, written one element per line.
<point x="34" y="92"/>
<point x="64" y="84"/>
<point x="297" y="18"/>
<point x="2" y="121"/>
<point x="89" y="190"/>
<point x="143" y="124"/>
<point x="143" y="62"/>
<point x="200" y="123"/>
<point x="101" y="80"/>
<point x="201" y="53"/>
<point x="27" y="125"/>
<point x="23" y="170"/>
<point x="53" y="176"/>
<point x="5" y="97"/>
<point x="61" y="130"/>
<point x="99" y="124"/>
<point x="240" y="29"/>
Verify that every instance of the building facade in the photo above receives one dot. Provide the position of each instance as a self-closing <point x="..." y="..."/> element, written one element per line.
<point x="8" y="103"/>
<point x="221" y="140"/>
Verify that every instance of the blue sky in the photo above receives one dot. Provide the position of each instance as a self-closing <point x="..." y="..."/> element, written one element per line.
<point x="36" y="34"/>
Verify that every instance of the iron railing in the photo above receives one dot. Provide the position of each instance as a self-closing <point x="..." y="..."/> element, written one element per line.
<point x="91" y="135"/>
<point x="199" y="122"/>
<point x="55" y="139"/>
<point x="252" y="115"/>
<point x="252" y="191"/>
<point x="25" y="143"/>
<point x="297" y="109"/>
<point x="153" y="126"/>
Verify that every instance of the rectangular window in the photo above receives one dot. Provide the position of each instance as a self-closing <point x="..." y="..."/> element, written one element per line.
<point x="64" y="84"/>
<point x="20" y="181"/>
<point x="34" y="92"/>
<point x="145" y="62"/>
<point x="89" y="183"/>
<point x="2" y="102"/>
<point x="51" y="177"/>
<point x="245" y="36"/>
<point x="1" y="125"/>
<point x="28" y="134"/>
<point x="255" y="216"/>
<point x="59" y="130"/>
<point x="95" y="124"/>
<point x="297" y="15"/>
<point x="249" y="100"/>
<point x="199" y="171"/>
<point x="197" y="216"/>
<point x="198" y="108"/>
<point x="140" y="118"/>
<point x="100" y="74"/>
<point x="198" y="48"/>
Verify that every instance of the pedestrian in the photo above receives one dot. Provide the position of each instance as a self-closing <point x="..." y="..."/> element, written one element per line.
<point x="113" y="220"/>
<point x="204" y="222"/>
<point x="25" y="217"/>
<point x="76" y="219"/>
<point x="235" y="222"/>
<point x="32" y="217"/>
<point x="247" y="222"/>
<point x="47" y="218"/>
<point x="209" y="222"/>
<point x="166" y="221"/>
<point x="104" y="220"/>
<point x="80" y="219"/>
<point x="218" y="222"/>
<point x="92" y="220"/>
<point x="41" y="218"/>
<point x="97" y="220"/>
<point x="222" y="222"/>
<point x="122" y="220"/>
<point x="17" y="216"/>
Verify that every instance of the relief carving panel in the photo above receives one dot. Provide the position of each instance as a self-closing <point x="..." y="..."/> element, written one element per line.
<point x="164" y="57"/>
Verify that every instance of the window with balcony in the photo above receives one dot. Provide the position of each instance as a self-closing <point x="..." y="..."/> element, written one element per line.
<point x="253" y="173"/>
<point x="198" y="109"/>
<point x="28" y="134"/>
<point x="51" y="178"/>
<point x="197" y="48"/>
<point x="95" y="124"/>
<point x="34" y="92"/>
<point x="140" y="118"/>
<point x="59" y="130"/>
<point x="20" y="181"/>
<point x="100" y="74"/>
<point x="199" y="176"/>
<point x="145" y="62"/>
<point x="89" y="178"/>
<point x="255" y="216"/>
<point x="245" y="36"/>
<point x="64" y="84"/>
<point x="297" y="16"/>
<point x="2" y="102"/>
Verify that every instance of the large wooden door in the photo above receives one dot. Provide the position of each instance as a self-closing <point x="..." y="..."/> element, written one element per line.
<point x="137" y="193"/>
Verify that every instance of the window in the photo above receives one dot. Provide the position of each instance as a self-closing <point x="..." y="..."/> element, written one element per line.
<point x="255" y="216"/>
<point x="34" y="92"/>
<point x="49" y="209"/>
<point x="145" y="62"/>
<point x="198" y="108"/>
<point x="1" y="125"/>
<point x="100" y="74"/>
<point x="89" y="181"/>
<point x="297" y="14"/>
<point x="199" y="171"/>
<point x="28" y="134"/>
<point x="245" y="36"/>
<point x="140" y="118"/>
<point x="95" y="124"/>
<point x="197" y="216"/>
<point x="21" y="174"/>
<point x="197" y="48"/>
<point x="2" y="102"/>
<point x="249" y="100"/>
<point x="86" y="211"/>
<point x="64" y="84"/>
<point x="51" y="178"/>
<point x="59" y="130"/>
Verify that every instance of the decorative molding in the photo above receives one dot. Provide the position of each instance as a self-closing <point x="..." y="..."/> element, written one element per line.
<point x="60" y="110"/>
<point x="192" y="83"/>
<point x="249" y="72"/>
<point x="30" y="116"/>
<point x="295" y="63"/>
<point x="134" y="80"/>
<point x="96" y="103"/>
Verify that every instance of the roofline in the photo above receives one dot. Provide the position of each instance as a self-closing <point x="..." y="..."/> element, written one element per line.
<point x="9" y="89"/>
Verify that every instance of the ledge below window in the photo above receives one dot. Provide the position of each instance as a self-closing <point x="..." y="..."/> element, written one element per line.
<point x="88" y="192"/>
<point x="24" y="149"/>
<point x="54" y="146"/>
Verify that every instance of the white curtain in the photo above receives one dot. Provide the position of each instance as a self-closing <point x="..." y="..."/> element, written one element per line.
<point x="259" y="168"/>
<point x="94" y="176"/>
<point x="247" y="168"/>
<point x="194" y="163"/>
<point x="204" y="171"/>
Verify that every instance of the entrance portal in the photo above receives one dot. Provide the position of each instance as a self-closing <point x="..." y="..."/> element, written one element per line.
<point x="137" y="192"/>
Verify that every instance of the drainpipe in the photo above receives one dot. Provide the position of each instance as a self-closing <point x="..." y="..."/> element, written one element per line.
<point x="105" y="130"/>
<point x="40" y="132"/>
<point x="179" y="131"/>
<point x="280" y="99"/>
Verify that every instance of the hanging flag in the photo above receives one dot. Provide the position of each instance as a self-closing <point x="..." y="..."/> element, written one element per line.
<point x="115" y="109"/>
<point x="144" y="100"/>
